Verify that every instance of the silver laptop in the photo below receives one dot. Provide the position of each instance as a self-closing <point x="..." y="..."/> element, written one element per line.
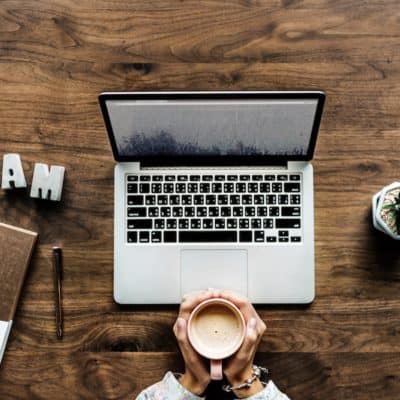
<point x="213" y="190"/>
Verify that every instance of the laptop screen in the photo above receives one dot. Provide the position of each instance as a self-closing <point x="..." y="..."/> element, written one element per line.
<point x="210" y="128"/>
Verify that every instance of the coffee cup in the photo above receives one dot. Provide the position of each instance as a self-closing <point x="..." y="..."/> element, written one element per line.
<point x="216" y="330"/>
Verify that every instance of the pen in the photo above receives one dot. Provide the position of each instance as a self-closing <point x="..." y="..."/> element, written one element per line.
<point x="57" y="270"/>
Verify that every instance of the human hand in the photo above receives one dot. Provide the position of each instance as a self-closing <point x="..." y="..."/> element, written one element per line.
<point x="238" y="368"/>
<point x="197" y="374"/>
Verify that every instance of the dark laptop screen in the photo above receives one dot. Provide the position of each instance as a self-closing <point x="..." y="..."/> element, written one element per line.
<point x="145" y="129"/>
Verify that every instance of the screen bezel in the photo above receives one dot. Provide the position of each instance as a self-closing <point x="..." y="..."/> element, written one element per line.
<point x="217" y="159"/>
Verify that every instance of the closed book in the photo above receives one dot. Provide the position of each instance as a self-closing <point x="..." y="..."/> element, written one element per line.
<point x="16" y="247"/>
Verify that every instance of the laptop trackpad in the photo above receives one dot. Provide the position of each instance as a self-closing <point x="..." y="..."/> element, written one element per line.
<point x="219" y="269"/>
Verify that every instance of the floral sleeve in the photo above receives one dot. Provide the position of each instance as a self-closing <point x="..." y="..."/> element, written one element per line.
<point x="170" y="389"/>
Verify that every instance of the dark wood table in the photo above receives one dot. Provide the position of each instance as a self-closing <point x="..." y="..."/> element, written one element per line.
<point x="57" y="56"/>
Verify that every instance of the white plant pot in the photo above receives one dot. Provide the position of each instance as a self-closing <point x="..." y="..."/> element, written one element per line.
<point x="377" y="202"/>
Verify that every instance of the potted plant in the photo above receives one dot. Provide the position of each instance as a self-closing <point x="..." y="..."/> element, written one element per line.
<point x="386" y="210"/>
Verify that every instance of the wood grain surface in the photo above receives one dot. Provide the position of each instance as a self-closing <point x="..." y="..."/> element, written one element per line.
<point x="56" y="56"/>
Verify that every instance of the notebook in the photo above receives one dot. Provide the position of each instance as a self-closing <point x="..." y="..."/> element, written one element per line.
<point x="16" y="247"/>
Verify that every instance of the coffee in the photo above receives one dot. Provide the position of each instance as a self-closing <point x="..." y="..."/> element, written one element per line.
<point x="216" y="329"/>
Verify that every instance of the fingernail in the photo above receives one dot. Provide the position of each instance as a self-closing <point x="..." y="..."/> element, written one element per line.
<point x="252" y="324"/>
<point x="180" y="322"/>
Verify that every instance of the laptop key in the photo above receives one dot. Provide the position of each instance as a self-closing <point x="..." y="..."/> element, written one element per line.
<point x="274" y="211"/>
<point x="271" y="239"/>
<point x="292" y="187"/>
<point x="170" y="178"/>
<point x="180" y="187"/>
<point x="245" y="236"/>
<point x="295" y="239"/>
<point x="258" y="199"/>
<point x="207" y="236"/>
<point x="207" y="223"/>
<point x="177" y="211"/>
<point x="283" y="239"/>
<point x="282" y="177"/>
<point x="219" y="177"/>
<point x="156" y="236"/>
<point x="135" y="200"/>
<point x="187" y="199"/>
<point x="265" y="187"/>
<point x="157" y="178"/>
<point x="193" y="187"/>
<point x="241" y="187"/>
<point x="249" y="211"/>
<point x="202" y="211"/>
<point x="252" y="187"/>
<point x="132" y="237"/>
<point x="162" y="200"/>
<point x="174" y="200"/>
<point x="207" y="178"/>
<point x="171" y="223"/>
<point x="256" y="223"/>
<point x="132" y="187"/>
<point x="144" y="178"/>
<point x="257" y="177"/>
<point x="244" y="177"/>
<point x="168" y="187"/>
<point x="290" y="211"/>
<point x="244" y="223"/>
<point x="156" y="188"/>
<point x="213" y="211"/>
<point x="283" y="233"/>
<point x="269" y="177"/>
<point x="259" y="236"/>
<point x="283" y="199"/>
<point x="195" y="223"/>
<point x="268" y="223"/>
<point x="150" y="200"/>
<point x="229" y="187"/>
<point x="204" y="187"/>
<point x="169" y="236"/>
<point x="136" y="211"/>
<point x="198" y="199"/>
<point x="153" y="211"/>
<point x="288" y="223"/>
<point x="222" y="199"/>
<point x="231" y="223"/>
<point x="232" y="177"/>
<point x="246" y="198"/>
<point x="211" y="199"/>
<point x="190" y="211"/>
<point x="132" y="178"/>
<point x="237" y="211"/>
<point x="234" y="199"/>
<point x="182" y="178"/>
<point x="216" y="187"/>
<point x="295" y="177"/>
<point x="276" y="187"/>
<point x="270" y="199"/>
<point x="144" y="188"/>
<point x="219" y="223"/>
<point x="184" y="224"/>
<point x="225" y="211"/>
<point x="144" y="237"/>
<point x="295" y="199"/>
<point x="165" y="211"/>
<point x="159" y="224"/>
<point x="140" y="223"/>
<point x="262" y="211"/>
<point x="194" y="178"/>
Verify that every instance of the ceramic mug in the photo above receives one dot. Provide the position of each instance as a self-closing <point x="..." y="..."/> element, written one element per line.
<point x="216" y="330"/>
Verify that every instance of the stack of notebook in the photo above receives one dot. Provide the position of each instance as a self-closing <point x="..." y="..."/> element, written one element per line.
<point x="16" y="246"/>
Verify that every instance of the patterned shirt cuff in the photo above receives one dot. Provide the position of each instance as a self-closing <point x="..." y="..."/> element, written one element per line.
<point x="168" y="389"/>
<point x="270" y="392"/>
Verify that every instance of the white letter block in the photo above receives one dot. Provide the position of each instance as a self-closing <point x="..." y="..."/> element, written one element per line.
<point x="47" y="185"/>
<point x="13" y="173"/>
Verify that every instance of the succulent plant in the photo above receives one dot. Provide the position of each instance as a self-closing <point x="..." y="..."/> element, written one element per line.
<point x="394" y="209"/>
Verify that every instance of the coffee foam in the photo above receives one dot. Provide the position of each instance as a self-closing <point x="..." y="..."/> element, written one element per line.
<point x="216" y="328"/>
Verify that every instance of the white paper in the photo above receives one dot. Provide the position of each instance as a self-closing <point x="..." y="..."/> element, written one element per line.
<point x="5" y="327"/>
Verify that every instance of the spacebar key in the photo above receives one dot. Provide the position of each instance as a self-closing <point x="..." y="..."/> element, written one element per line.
<point x="207" y="236"/>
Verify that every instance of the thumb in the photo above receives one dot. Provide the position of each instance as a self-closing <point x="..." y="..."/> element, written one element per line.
<point x="180" y="329"/>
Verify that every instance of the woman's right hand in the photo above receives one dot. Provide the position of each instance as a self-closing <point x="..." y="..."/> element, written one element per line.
<point x="197" y="375"/>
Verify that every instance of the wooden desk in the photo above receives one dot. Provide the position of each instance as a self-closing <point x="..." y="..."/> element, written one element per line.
<point x="57" y="56"/>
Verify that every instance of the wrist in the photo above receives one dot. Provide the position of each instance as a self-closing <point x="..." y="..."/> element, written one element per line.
<point x="193" y="385"/>
<point x="250" y="375"/>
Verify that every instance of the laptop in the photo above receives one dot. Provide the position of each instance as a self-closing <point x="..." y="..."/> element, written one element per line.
<point x="213" y="190"/>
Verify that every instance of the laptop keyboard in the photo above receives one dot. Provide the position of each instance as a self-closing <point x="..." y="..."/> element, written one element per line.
<point x="207" y="208"/>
